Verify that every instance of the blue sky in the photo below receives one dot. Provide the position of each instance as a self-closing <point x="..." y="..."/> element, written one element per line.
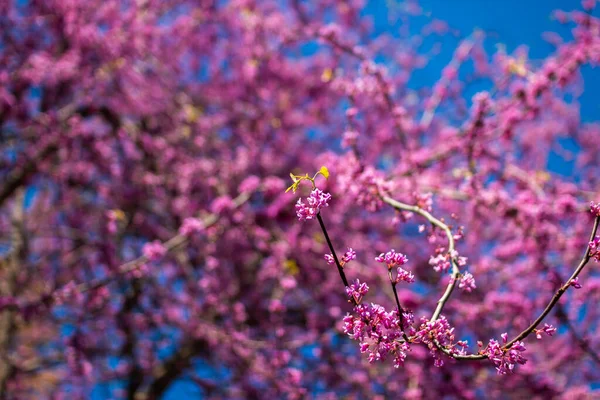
<point x="508" y="22"/>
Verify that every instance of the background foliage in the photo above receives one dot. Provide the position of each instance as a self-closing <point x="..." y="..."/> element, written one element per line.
<point x="149" y="250"/>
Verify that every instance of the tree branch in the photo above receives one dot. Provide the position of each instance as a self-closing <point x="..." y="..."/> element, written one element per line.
<point x="456" y="272"/>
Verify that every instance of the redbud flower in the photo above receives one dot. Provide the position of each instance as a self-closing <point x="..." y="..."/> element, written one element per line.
<point x="595" y="208"/>
<point x="317" y="200"/>
<point x="222" y="204"/>
<point x="404" y="275"/>
<point x="357" y="290"/>
<point x="424" y="201"/>
<point x="505" y="360"/>
<point x="68" y="291"/>
<point x="154" y="250"/>
<point x="575" y="283"/>
<point x="329" y="259"/>
<point x="351" y="112"/>
<point x="440" y="262"/>
<point x="467" y="282"/>
<point x="547" y="329"/>
<point x="588" y="5"/>
<point x="348" y="256"/>
<point x="250" y="184"/>
<point x="349" y="138"/>
<point x="391" y="258"/>
<point x="462" y="261"/>
<point x="190" y="226"/>
<point x="439" y="330"/>
<point x="378" y="332"/>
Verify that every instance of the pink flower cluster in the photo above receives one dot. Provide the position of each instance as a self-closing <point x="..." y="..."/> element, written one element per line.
<point x="154" y="250"/>
<point x="441" y="332"/>
<point x="547" y="329"/>
<point x="443" y="261"/>
<point x="191" y="226"/>
<point x="346" y="258"/>
<point x="467" y="282"/>
<point x="392" y="259"/>
<point x="424" y="201"/>
<point x="357" y="290"/>
<point x="314" y="202"/>
<point x="364" y="184"/>
<point x="505" y="360"/>
<point x="575" y="283"/>
<point x="378" y="332"/>
<point x="404" y="276"/>
<point x="595" y="209"/>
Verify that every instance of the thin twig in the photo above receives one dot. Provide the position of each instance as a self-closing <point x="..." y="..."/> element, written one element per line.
<point x="586" y="258"/>
<point x="337" y="262"/>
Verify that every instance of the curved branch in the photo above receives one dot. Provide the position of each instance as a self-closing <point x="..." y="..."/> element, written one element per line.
<point x="433" y="220"/>
<point x="586" y="258"/>
<point x="456" y="272"/>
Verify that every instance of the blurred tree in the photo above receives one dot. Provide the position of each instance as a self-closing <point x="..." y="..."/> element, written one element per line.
<point x="147" y="241"/>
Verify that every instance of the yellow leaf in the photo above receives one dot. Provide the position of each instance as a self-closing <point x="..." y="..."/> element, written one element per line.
<point x="191" y="113"/>
<point x="294" y="187"/>
<point x="119" y="214"/>
<point x="291" y="266"/>
<point x="324" y="171"/>
<point x="318" y="238"/>
<point x="327" y="75"/>
<point x="518" y="67"/>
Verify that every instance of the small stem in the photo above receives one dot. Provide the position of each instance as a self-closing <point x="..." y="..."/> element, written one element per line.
<point x="400" y="308"/>
<point x="337" y="262"/>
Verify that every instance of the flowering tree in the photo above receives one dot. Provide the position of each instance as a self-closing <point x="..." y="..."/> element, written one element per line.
<point x="149" y="247"/>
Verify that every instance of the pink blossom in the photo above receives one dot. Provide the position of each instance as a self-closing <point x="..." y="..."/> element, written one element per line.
<point x="439" y="330"/>
<point x="317" y="200"/>
<point x="392" y="259"/>
<point x="378" y="332"/>
<point x="348" y="256"/>
<point x="547" y="329"/>
<point x="191" y="226"/>
<point x="405" y="276"/>
<point x="505" y="360"/>
<point x="595" y="209"/>
<point x="467" y="282"/>
<point x="357" y="290"/>
<point x="575" y="283"/>
<point x="154" y="250"/>
<point x="329" y="259"/>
